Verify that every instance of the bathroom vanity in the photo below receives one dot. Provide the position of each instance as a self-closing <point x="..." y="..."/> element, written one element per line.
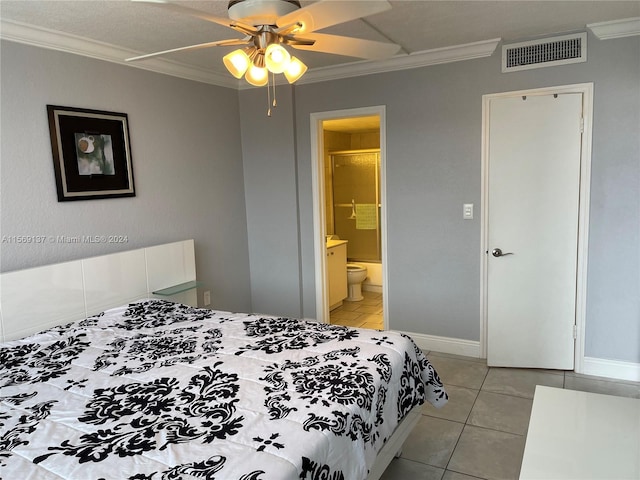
<point x="337" y="272"/>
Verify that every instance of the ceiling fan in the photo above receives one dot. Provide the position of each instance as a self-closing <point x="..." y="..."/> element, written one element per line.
<point x="270" y="25"/>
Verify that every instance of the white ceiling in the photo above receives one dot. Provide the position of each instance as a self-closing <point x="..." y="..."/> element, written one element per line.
<point x="117" y="29"/>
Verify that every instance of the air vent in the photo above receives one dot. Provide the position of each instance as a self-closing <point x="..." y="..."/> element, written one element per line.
<point x="546" y="52"/>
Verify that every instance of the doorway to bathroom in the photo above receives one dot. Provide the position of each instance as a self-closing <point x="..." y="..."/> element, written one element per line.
<point x="348" y="158"/>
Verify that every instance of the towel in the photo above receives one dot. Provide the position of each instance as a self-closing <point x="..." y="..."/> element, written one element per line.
<point x="366" y="216"/>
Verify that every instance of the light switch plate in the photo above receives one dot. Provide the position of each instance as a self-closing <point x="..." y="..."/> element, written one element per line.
<point x="467" y="211"/>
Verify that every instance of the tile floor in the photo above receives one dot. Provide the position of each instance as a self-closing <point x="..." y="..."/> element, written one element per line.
<point x="480" y="433"/>
<point x="366" y="313"/>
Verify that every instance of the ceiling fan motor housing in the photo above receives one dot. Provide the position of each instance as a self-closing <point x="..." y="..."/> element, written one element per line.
<point x="261" y="12"/>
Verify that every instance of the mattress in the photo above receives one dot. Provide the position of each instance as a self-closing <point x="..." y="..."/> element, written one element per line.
<point x="158" y="390"/>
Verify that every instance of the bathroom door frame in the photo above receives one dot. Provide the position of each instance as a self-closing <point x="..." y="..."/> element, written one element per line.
<point x="319" y="214"/>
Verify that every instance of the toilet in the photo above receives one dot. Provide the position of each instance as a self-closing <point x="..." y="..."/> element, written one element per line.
<point x="356" y="274"/>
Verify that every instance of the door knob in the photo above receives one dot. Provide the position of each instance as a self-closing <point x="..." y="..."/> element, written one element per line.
<point x="496" y="252"/>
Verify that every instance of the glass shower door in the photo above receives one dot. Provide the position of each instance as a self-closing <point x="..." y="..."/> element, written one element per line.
<point x="356" y="202"/>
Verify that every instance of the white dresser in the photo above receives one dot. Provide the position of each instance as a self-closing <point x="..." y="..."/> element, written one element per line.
<point x="581" y="436"/>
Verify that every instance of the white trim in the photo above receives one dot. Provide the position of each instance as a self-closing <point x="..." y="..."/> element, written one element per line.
<point x="64" y="42"/>
<point x="586" y="89"/>
<point x="627" y="27"/>
<point x="454" y="346"/>
<point x="455" y="53"/>
<point x="602" y="367"/>
<point x="55" y="40"/>
<point x="319" y="220"/>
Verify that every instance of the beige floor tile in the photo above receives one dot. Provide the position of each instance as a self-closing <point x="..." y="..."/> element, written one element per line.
<point x="593" y="385"/>
<point x="372" y="325"/>
<point x="432" y="441"/>
<point x="402" y="469"/>
<point x="369" y="309"/>
<point x="344" y="315"/>
<point x="458" y="372"/>
<point x="372" y="317"/>
<point x="368" y="301"/>
<point x="346" y="307"/>
<point x="458" y="407"/>
<point x="488" y="454"/>
<point x="501" y="412"/>
<point x="356" y="322"/>
<point x="519" y="382"/>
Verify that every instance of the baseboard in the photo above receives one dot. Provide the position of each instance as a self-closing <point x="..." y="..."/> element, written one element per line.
<point x="372" y="288"/>
<point x="602" y="367"/>
<point x="456" y="346"/>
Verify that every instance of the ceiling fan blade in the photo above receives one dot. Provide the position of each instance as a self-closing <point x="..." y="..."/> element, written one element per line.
<point x="351" y="47"/>
<point x="326" y="13"/>
<point x="243" y="41"/>
<point x="225" y="22"/>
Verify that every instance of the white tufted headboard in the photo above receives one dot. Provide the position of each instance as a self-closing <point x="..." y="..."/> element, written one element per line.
<point x="38" y="298"/>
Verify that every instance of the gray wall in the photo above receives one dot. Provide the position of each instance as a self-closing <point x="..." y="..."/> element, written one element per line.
<point x="271" y="200"/>
<point x="434" y="119"/>
<point x="200" y="156"/>
<point x="187" y="163"/>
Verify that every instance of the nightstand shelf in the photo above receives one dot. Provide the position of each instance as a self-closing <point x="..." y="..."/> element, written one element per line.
<point x="175" y="289"/>
<point x="186" y="293"/>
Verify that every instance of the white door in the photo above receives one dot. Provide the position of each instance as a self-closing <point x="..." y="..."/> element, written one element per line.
<point x="533" y="207"/>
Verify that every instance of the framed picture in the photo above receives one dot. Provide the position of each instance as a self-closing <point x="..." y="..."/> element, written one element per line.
<point x="91" y="153"/>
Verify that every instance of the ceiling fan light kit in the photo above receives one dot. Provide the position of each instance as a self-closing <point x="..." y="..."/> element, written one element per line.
<point x="257" y="76"/>
<point x="269" y="25"/>
<point x="294" y="70"/>
<point x="237" y="62"/>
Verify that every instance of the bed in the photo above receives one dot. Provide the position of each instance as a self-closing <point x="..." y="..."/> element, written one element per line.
<point x="155" y="389"/>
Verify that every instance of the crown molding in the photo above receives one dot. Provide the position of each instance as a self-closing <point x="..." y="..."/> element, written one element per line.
<point x="64" y="42"/>
<point x="456" y="53"/>
<point x="627" y="27"/>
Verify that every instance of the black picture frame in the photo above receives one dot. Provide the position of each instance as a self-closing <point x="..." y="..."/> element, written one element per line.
<point x="91" y="153"/>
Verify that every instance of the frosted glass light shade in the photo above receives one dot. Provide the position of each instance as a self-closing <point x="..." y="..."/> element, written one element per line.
<point x="276" y="58"/>
<point x="237" y="62"/>
<point x="257" y="76"/>
<point x="295" y="70"/>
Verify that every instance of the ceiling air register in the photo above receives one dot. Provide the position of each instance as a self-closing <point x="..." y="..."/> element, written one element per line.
<point x="545" y="52"/>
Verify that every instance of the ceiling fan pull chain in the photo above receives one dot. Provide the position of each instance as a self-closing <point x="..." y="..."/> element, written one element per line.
<point x="273" y="79"/>
<point x="268" y="98"/>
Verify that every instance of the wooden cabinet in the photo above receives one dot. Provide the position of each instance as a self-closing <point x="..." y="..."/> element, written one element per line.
<point x="337" y="272"/>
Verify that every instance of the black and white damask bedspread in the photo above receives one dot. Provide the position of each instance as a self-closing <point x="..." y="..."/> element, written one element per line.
<point x="156" y="391"/>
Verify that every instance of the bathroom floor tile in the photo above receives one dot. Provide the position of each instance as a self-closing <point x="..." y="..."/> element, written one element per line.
<point x="369" y="301"/>
<point x="346" y="307"/>
<point x="357" y="322"/>
<point x="488" y="454"/>
<point x="501" y="412"/>
<point x="369" y="309"/>
<point x="372" y="326"/>
<point x="520" y="382"/>
<point x="345" y="315"/>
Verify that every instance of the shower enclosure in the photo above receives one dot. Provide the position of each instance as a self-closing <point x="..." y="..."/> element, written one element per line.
<point x="356" y="202"/>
